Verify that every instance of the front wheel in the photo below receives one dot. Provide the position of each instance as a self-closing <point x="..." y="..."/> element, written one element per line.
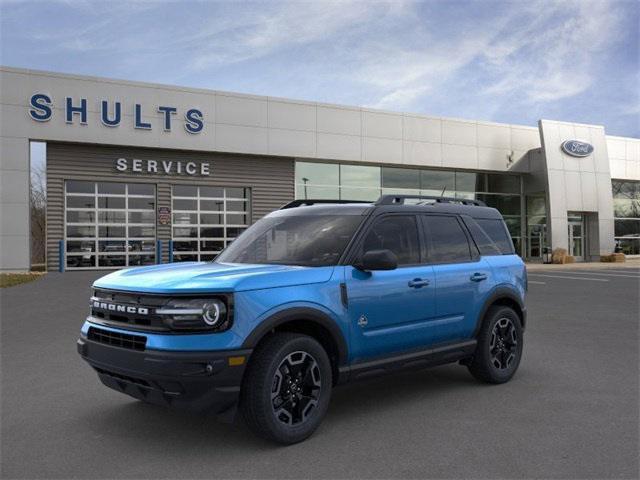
<point x="287" y="388"/>
<point x="499" y="347"/>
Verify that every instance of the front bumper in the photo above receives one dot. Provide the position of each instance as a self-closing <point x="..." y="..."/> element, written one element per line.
<point x="195" y="381"/>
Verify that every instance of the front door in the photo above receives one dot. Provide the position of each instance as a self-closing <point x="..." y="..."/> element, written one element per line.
<point x="389" y="311"/>
<point x="575" y="223"/>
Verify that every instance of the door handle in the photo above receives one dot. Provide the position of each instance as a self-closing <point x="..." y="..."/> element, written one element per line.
<point x="418" y="282"/>
<point x="478" y="277"/>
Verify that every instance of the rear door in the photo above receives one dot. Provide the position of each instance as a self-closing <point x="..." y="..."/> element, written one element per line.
<point x="463" y="279"/>
<point x="389" y="311"/>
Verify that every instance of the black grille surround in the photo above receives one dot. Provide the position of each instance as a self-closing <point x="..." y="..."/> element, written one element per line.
<point x="136" y="311"/>
<point x="117" y="339"/>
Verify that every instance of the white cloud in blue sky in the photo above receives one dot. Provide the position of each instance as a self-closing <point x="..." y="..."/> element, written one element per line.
<point x="514" y="62"/>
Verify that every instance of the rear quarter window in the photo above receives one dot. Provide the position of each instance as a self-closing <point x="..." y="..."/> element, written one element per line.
<point x="497" y="231"/>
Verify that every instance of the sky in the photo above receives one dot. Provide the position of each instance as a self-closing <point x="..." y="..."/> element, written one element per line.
<point x="503" y="61"/>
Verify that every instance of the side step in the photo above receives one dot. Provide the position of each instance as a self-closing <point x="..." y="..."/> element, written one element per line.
<point x="415" y="360"/>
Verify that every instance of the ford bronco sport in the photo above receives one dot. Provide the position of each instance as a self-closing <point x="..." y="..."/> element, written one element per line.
<point x="313" y="295"/>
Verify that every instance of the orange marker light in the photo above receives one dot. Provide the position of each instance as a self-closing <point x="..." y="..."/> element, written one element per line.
<point x="236" y="361"/>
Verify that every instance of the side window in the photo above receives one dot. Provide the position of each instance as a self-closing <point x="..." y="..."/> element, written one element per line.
<point x="398" y="234"/>
<point x="497" y="231"/>
<point x="447" y="241"/>
<point x="484" y="243"/>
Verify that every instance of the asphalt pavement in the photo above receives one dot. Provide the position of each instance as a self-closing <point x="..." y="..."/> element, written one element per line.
<point x="571" y="411"/>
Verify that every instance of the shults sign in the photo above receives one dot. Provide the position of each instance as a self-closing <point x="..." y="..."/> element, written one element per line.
<point x="42" y="110"/>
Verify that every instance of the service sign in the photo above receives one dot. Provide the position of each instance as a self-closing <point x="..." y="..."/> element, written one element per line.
<point x="576" y="148"/>
<point x="163" y="167"/>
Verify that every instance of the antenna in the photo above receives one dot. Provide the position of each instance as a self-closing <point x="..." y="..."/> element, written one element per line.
<point x="443" y="189"/>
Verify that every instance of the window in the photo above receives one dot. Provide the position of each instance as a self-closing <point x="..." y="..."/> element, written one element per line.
<point x="626" y="210"/>
<point x="436" y="182"/>
<point x="484" y="243"/>
<point x="362" y="182"/>
<point x="359" y="182"/>
<point x="501" y="183"/>
<point x="317" y="180"/>
<point x="494" y="228"/>
<point x="306" y="240"/>
<point x="398" y="234"/>
<point x="206" y="220"/>
<point x="446" y="240"/>
<point x="109" y="224"/>
<point x="470" y="182"/>
<point x="400" y="178"/>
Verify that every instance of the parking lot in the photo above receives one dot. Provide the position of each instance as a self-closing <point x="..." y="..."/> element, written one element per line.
<point x="570" y="412"/>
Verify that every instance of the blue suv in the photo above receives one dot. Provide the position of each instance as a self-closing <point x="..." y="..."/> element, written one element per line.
<point x="313" y="295"/>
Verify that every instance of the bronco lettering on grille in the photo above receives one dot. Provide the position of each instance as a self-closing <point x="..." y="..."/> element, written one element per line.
<point x="112" y="307"/>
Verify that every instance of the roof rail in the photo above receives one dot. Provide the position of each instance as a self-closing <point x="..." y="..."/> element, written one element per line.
<point x="303" y="203"/>
<point x="400" y="199"/>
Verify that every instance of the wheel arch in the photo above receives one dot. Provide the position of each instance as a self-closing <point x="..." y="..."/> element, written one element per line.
<point x="503" y="296"/>
<point x="307" y="321"/>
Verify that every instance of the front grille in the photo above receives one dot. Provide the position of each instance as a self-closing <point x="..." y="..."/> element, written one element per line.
<point x="137" y="311"/>
<point x="117" y="339"/>
<point x="144" y="321"/>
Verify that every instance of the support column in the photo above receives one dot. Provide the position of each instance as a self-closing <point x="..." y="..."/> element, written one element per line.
<point x="14" y="204"/>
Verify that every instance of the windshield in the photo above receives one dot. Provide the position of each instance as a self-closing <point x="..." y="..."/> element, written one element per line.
<point x="311" y="240"/>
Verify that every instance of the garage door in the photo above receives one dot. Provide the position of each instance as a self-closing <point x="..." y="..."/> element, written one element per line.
<point x="109" y="224"/>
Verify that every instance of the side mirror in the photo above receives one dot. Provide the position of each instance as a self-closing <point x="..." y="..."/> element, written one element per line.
<point x="378" y="260"/>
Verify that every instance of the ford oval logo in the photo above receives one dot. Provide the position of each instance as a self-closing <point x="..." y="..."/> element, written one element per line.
<point x="576" y="148"/>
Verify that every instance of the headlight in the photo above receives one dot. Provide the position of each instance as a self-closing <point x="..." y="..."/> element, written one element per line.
<point x="196" y="314"/>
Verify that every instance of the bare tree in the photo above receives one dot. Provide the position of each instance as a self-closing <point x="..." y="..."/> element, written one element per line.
<point x="38" y="209"/>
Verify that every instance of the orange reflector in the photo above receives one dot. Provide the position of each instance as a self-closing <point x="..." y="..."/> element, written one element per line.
<point x="236" y="361"/>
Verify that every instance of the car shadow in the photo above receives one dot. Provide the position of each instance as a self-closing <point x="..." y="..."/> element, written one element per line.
<point x="385" y="395"/>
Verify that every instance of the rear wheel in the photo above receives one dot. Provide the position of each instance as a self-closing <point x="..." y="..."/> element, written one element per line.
<point x="499" y="347"/>
<point x="287" y="388"/>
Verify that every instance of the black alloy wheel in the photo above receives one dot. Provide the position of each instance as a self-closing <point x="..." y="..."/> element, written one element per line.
<point x="504" y="343"/>
<point x="287" y="387"/>
<point x="296" y="388"/>
<point x="499" y="347"/>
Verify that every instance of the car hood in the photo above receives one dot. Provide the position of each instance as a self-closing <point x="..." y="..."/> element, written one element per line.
<point x="201" y="277"/>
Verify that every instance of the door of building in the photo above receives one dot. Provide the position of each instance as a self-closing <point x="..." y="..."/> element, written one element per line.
<point x="536" y="241"/>
<point x="575" y="223"/>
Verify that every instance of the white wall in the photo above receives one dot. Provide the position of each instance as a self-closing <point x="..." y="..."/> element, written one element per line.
<point x="265" y="125"/>
<point x="577" y="184"/>
<point x="624" y="157"/>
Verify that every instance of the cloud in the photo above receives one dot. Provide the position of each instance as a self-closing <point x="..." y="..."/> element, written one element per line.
<point x="491" y="59"/>
<point x="552" y="58"/>
<point x="284" y="26"/>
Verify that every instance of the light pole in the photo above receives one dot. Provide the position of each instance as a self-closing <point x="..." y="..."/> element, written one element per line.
<point x="305" y="180"/>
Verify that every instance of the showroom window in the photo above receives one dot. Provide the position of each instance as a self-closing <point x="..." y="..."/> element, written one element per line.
<point x="109" y="225"/>
<point x="363" y="182"/>
<point x="626" y="210"/>
<point x="206" y="220"/>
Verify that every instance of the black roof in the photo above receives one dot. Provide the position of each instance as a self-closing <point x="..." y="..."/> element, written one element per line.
<point x="392" y="203"/>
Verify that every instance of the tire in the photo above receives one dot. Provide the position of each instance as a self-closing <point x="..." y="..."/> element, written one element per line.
<point x="499" y="349"/>
<point x="297" y="370"/>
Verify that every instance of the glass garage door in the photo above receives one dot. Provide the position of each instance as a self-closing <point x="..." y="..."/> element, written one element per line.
<point x="207" y="219"/>
<point x="109" y="225"/>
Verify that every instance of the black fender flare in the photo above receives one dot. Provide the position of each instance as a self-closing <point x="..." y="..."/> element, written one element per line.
<point x="500" y="293"/>
<point x="300" y="313"/>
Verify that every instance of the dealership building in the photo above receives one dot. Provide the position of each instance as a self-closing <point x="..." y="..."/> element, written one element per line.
<point x="142" y="173"/>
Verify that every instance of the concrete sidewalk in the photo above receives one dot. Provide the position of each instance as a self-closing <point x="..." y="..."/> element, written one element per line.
<point x="630" y="264"/>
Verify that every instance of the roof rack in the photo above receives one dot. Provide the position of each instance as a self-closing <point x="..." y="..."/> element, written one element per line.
<point x="303" y="203"/>
<point x="400" y="199"/>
